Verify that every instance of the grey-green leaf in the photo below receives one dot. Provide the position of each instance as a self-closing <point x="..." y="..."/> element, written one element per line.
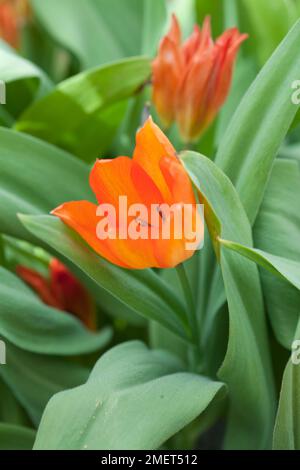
<point x="33" y="326"/>
<point x="246" y="368"/>
<point x="287" y="426"/>
<point x="14" y="437"/>
<point x="260" y="123"/>
<point x="134" y="399"/>
<point x="83" y="113"/>
<point x="35" y="378"/>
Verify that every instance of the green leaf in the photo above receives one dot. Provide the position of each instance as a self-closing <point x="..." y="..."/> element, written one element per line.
<point x="35" y="378"/>
<point x="287" y="426"/>
<point x="35" y="177"/>
<point x="270" y="22"/>
<point x="260" y="123"/>
<point x="134" y="399"/>
<point x="30" y="324"/>
<point x="215" y="9"/>
<point x="246" y="368"/>
<point x="282" y="267"/>
<point x="277" y="231"/>
<point x="16" y="437"/>
<point x="10" y="409"/>
<point x="95" y="31"/>
<point x="143" y="291"/>
<point x="91" y="107"/>
<point x="24" y="80"/>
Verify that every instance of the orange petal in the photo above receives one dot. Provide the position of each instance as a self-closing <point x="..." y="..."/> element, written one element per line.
<point x="227" y="47"/>
<point x="81" y="217"/>
<point x="177" y="247"/>
<point x="178" y="181"/>
<point x="127" y="253"/>
<point x="9" y="30"/>
<point x="166" y="73"/>
<point x="192" y="98"/>
<point x="151" y="146"/>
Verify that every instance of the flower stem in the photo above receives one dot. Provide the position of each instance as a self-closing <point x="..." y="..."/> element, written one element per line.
<point x="189" y="298"/>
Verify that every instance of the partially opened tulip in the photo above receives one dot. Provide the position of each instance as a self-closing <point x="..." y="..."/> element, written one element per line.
<point x="154" y="221"/>
<point x="61" y="291"/>
<point x="191" y="80"/>
<point x="12" y="16"/>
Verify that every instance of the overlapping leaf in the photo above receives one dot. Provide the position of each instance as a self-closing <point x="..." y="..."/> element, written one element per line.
<point x="287" y="426"/>
<point x="260" y="123"/>
<point x="28" y="323"/>
<point x="35" y="378"/>
<point x="93" y="33"/>
<point x="277" y="231"/>
<point x="83" y="113"/>
<point x="134" y="399"/>
<point x="246" y="367"/>
<point x="14" y="437"/>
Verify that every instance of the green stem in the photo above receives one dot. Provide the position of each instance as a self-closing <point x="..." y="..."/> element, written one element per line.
<point x="189" y="298"/>
<point x="195" y="353"/>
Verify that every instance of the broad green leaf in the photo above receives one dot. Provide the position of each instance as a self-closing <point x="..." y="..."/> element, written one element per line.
<point x="154" y="22"/>
<point x="35" y="177"/>
<point x="95" y="31"/>
<point x="282" y="267"/>
<point x="143" y="291"/>
<point x="16" y="437"/>
<point x="244" y="74"/>
<point x="260" y="123"/>
<point x="10" y="409"/>
<point x="246" y="368"/>
<point x="91" y="107"/>
<point x="287" y="426"/>
<point x="270" y="22"/>
<point x="134" y="399"/>
<point x="30" y="324"/>
<point x="277" y="231"/>
<point x="24" y="80"/>
<point x="291" y="151"/>
<point x="35" y="378"/>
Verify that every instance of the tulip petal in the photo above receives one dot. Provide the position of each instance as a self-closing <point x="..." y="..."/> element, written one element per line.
<point x="166" y="72"/>
<point x="81" y="217"/>
<point x="151" y="146"/>
<point x="126" y="253"/>
<point x="177" y="180"/>
<point x="183" y="239"/>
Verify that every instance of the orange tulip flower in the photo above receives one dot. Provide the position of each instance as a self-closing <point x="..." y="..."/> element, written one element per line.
<point x="192" y="80"/>
<point x="154" y="178"/>
<point x="61" y="291"/>
<point x="12" y="15"/>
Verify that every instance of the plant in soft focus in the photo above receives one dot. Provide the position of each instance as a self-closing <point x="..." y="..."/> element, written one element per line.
<point x="62" y="291"/>
<point x="191" y="80"/>
<point x="199" y="345"/>
<point x="12" y="16"/>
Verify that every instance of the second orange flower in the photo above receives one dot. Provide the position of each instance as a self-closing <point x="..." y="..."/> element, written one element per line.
<point x="191" y="80"/>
